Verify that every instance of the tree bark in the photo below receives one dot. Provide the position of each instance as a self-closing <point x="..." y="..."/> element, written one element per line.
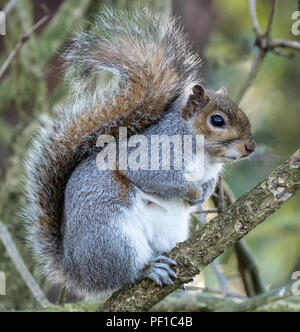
<point x="193" y="255"/>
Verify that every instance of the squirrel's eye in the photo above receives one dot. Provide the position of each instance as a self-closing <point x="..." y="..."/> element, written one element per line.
<point x="217" y="121"/>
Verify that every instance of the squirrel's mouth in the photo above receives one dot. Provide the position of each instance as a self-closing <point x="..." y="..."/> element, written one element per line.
<point x="229" y="159"/>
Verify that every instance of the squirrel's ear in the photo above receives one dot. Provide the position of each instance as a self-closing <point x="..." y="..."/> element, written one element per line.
<point x="222" y="92"/>
<point x="198" y="90"/>
<point x="195" y="103"/>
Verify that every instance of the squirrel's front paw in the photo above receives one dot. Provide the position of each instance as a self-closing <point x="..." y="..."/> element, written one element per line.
<point x="195" y="202"/>
<point x="160" y="271"/>
<point x="193" y="196"/>
<point x="199" y="193"/>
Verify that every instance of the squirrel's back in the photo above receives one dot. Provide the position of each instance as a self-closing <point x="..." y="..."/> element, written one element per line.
<point x="155" y="67"/>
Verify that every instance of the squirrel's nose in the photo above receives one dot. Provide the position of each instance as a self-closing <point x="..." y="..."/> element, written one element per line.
<point x="250" y="147"/>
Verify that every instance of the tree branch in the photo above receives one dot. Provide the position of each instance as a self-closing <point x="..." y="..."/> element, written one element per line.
<point x="195" y="302"/>
<point x="249" y="271"/>
<point x="291" y="44"/>
<point x="289" y="304"/>
<point x="254" y="19"/>
<point x="208" y="302"/>
<point x="253" y="73"/>
<point x="265" y="44"/>
<point x="193" y="255"/>
<point x="259" y="301"/>
<point x="271" y="18"/>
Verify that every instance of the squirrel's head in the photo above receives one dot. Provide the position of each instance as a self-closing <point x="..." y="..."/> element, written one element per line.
<point x="226" y="128"/>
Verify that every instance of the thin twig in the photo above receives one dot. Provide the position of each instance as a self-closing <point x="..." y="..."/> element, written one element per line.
<point x="221" y="195"/>
<point x="7" y="9"/>
<point x="20" y="44"/>
<point x="253" y="15"/>
<point x="216" y="291"/>
<point x="253" y="73"/>
<point x="271" y="18"/>
<point x="262" y="52"/>
<point x="222" y="280"/>
<point x="206" y="211"/>
<point x="293" y="45"/>
<point x="21" y="267"/>
<point x="217" y="269"/>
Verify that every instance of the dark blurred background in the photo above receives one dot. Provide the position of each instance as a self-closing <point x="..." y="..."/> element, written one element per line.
<point x="221" y="33"/>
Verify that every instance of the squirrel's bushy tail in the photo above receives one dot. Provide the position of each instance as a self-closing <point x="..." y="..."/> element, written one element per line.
<point x="155" y="64"/>
<point x="149" y="51"/>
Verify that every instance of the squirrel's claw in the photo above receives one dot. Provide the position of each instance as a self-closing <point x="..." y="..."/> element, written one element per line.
<point x="163" y="259"/>
<point x="160" y="271"/>
<point x="159" y="276"/>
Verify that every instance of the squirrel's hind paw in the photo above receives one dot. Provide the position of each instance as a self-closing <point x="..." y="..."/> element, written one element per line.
<point x="159" y="270"/>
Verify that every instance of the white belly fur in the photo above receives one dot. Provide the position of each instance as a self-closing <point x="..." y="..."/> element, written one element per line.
<point x="155" y="225"/>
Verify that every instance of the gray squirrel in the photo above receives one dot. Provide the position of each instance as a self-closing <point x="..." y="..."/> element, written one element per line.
<point x="98" y="231"/>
